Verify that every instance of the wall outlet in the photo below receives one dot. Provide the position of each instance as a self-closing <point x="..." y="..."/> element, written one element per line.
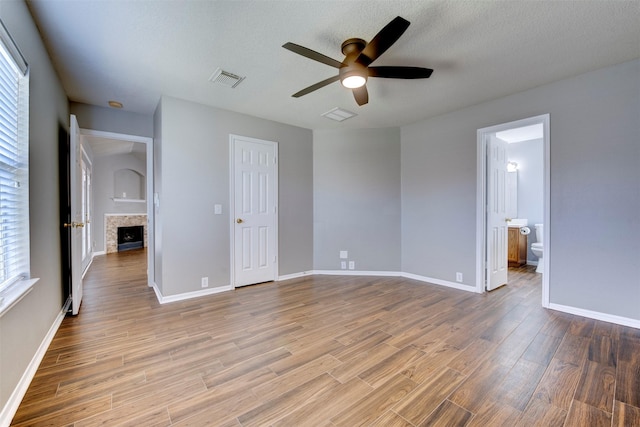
<point x="205" y="282"/>
<point x="459" y="277"/>
<point x="343" y="265"/>
<point x="352" y="265"/>
<point x="344" y="254"/>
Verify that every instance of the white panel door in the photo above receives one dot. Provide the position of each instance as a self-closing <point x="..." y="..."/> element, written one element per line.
<point x="255" y="217"/>
<point x="497" y="230"/>
<point x="77" y="221"/>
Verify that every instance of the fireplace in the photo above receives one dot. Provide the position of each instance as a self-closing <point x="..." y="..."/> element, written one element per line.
<point x="130" y="238"/>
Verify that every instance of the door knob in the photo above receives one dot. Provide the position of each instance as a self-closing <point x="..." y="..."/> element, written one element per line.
<point x="239" y="221"/>
<point x="73" y="225"/>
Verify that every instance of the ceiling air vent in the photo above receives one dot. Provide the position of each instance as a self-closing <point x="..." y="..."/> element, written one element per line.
<point x="225" y="78"/>
<point x="338" y="114"/>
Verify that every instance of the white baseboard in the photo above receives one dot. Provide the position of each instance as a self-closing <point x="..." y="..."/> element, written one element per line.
<point x="440" y="282"/>
<point x="295" y="275"/>
<point x="357" y="273"/>
<point x="431" y="280"/>
<point x="14" y="400"/>
<point x="188" y="295"/>
<point x="611" y="318"/>
<point x="99" y="253"/>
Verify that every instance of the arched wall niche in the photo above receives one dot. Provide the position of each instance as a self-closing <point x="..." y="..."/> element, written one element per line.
<point x="129" y="184"/>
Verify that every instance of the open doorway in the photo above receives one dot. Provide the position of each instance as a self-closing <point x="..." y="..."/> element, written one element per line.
<point x="504" y="153"/>
<point x="121" y="189"/>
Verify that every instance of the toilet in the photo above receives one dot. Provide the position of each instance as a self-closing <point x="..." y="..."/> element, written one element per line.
<point x="536" y="248"/>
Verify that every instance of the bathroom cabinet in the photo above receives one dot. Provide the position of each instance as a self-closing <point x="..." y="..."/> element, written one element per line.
<point x="517" y="247"/>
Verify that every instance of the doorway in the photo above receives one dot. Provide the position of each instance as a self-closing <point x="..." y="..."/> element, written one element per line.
<point x="486" y="246"/>
<point x="105" y="150"/>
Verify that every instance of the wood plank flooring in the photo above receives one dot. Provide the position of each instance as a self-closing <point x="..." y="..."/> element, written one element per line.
<point x="330" y="351"/>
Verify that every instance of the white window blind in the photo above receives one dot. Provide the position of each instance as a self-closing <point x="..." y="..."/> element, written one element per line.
<point x="14" y="163"/>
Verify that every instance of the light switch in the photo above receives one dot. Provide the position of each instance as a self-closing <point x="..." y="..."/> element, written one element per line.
<point x="217" y="209"/>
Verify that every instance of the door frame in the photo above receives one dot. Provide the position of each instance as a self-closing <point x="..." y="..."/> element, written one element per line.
<point x="149" y="189"/>
<point x="481" y="199"/>
<point x="86" y="263"/>
<point x="232" y="204"/>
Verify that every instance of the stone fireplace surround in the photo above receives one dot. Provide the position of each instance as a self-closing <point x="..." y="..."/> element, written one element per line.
<point x="113" y="221"/>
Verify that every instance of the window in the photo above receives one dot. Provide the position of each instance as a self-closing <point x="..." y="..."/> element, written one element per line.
<point x="14" y="166"/>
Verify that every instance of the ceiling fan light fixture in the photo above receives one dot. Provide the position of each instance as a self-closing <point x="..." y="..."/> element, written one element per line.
<point x="353" y="81"/>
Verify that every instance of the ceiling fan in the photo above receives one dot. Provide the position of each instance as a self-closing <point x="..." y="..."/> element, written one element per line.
<point x="354" y="69"/>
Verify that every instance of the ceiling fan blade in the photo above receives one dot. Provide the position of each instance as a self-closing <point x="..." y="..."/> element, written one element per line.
<point x="312" y="54"/>
<point x="400" y="72"/>
<point x="383" y="41"/>
<point x="361" y="95"/>
<point x="316" y="86"/>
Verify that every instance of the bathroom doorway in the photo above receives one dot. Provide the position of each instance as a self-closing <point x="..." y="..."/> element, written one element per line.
<point x="513" y="178"/>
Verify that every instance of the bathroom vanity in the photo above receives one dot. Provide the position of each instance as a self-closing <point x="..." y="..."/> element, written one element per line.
<point x="517" y="247"/>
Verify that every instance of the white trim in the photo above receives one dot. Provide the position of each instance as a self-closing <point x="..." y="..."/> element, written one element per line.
<point x="611" y="318"/>
<point x="14" y="293"/>
<point x="481" y="196"/>
<point x="431" y="280"/>
<point x="188" y="295"/>
<point x="116" y="136"/>
<point x="95" y="254"/>
<point x="11" y="407"/>
<point x="296" y="275"/>
<point x="357" y="273"/>
<point x="439" y="282"/>
<point x="120" y="200"/>
<point x="86" y="269"/>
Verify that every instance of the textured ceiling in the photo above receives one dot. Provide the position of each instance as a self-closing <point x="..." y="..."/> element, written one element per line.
<point x="136" y="51"/>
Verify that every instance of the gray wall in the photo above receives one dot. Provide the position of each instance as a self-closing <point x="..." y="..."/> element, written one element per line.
<point x="194" y="165"/>
<point x="103" y="171"/>
<point x="23" y="328"/>
<point x="112" y="120"/>
<point x="595" y="187"/>
<point x="529" y="155"/>
<point x="356" y="188"/>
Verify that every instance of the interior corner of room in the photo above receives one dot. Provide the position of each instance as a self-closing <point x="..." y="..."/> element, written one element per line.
<point x="411" y="199"/>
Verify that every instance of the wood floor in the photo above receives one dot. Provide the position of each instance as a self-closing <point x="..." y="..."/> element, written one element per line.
<point x="330" y="351"/>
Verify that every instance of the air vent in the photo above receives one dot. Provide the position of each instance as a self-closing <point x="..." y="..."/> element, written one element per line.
<point x="225" y="78"/>
<point x="338" y="114"/>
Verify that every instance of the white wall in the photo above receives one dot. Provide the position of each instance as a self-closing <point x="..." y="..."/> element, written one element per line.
<point x="356" y="189"/>
<point x="192" y="147"/>
<point x="24" y="327"/>
<point x="595" y="188"/>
